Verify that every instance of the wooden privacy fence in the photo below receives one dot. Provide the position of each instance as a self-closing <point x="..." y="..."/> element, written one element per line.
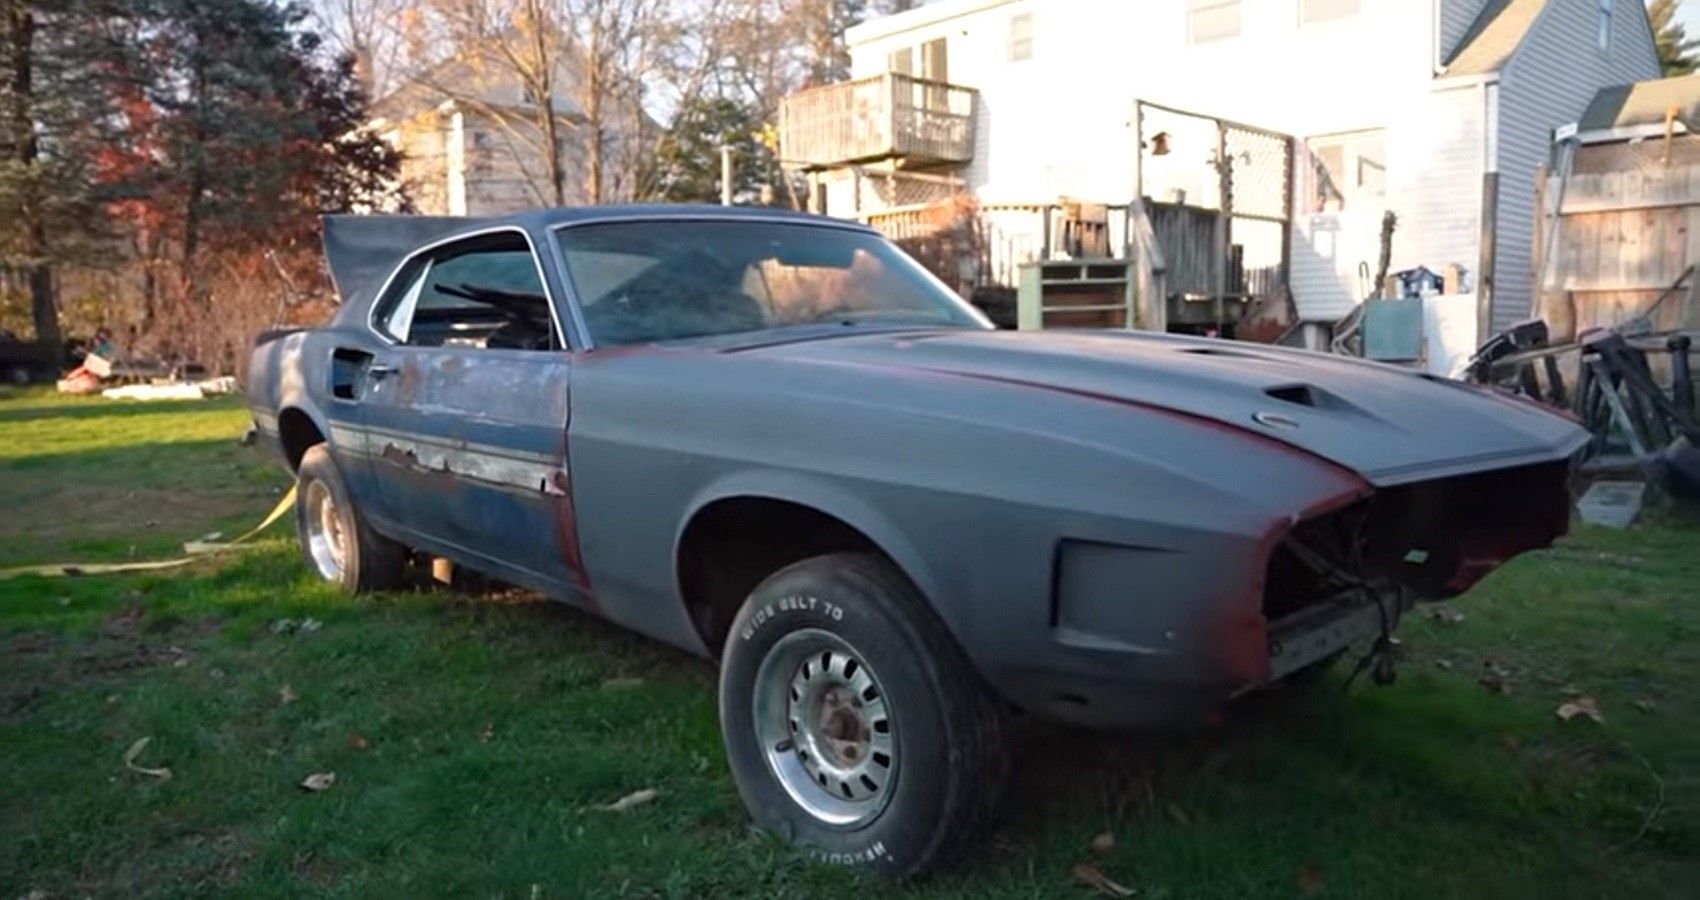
<point x="1629" y="228"/>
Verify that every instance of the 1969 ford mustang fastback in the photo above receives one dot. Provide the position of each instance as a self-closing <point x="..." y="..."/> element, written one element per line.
<point x="774" y="440"/>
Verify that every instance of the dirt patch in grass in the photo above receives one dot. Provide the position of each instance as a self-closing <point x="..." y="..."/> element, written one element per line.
<point x="126" y="642"/>
<point x="92" y="513"/>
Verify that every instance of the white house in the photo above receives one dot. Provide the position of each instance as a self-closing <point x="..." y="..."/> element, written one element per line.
<point x="472" y="138"/>
<point x="1439" y="110"/>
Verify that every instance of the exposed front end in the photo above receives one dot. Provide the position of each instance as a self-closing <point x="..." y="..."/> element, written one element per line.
<point x="1337" y="577"/>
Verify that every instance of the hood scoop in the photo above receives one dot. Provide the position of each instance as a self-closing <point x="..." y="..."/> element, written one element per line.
<point x="1301" y="394"/>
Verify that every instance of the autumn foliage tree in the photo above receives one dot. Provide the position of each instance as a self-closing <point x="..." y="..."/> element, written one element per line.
<point x="225" y="130"/>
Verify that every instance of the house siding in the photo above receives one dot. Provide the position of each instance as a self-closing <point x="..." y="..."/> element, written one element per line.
<point x="1435" y="154"/>
<point x="1456" y="17"/>
<point x="1370" y="70"/>
<point x="1548" y="83"/>
<point x="1357" y="72"/>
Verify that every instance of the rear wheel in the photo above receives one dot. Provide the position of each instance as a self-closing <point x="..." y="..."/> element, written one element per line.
<point x="336" y="542"/>
<point x="854" y="725"/>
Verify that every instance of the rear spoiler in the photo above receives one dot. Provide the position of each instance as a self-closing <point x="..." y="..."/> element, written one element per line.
<point x="362" y="250"/>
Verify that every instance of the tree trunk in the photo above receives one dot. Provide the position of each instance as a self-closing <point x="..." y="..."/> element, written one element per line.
<point x="595" y="62"/>
<point x="20" y="127"/>
<point x="545" y="91"/>
<point x="188" y="273"/>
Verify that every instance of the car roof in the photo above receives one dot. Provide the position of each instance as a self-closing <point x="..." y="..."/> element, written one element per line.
<point x="643" y="212"/>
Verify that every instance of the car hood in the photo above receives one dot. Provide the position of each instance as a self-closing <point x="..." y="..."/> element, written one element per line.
<point x="1389" y="425"/>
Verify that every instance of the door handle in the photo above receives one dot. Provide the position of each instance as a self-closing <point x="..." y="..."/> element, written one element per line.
<point x="381" y="370"/>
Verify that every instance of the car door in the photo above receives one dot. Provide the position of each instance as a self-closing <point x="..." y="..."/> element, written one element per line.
<point x="467" y="416"/>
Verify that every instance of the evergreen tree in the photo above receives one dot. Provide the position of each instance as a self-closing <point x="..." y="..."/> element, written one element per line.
<point x="1676" y="48"/>
<point x="51" y="131"/>
<point x="688" y="162"/>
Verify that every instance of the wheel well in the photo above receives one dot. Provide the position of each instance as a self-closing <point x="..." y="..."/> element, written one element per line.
<point x="296" y="431"/>
<point x="731" y="545"/>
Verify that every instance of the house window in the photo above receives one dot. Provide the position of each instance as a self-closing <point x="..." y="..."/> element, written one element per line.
<point x="1021" y="37"/>
<point x="935" y="60"/>
<point x="1605" y="25"/>
<point x="1311" y="11"/>
<point x="1346" y="171"/>
<point x="1212" y="20"/>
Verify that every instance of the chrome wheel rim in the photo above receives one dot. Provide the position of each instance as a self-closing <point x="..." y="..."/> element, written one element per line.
<point x="825" y="725"/>
<point x="327" y="543"/>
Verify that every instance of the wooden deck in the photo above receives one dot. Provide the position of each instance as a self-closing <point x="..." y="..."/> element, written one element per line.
<point x="891" y="116"/>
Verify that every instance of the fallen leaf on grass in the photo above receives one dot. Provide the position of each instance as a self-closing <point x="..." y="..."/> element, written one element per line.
<point x="1103" y="843"/>
<point x="1308" y="879"/>
<point x="286" y="694"/>
<point x="1495" y="678"/>
<point x="1581" y="706"/>
<point x="1094" y="877"/>
<point x="358" y="741"/>
<point x="635" y="798"/>
<point x="487" y="732"/>
<point x="1646" y="706"/>
<point x="1445" y="615"/>
<point x="135" y="752"/>
<point x="622" y="684"/>
<point x="318" y="782"/>
<point x="297" y="626"/>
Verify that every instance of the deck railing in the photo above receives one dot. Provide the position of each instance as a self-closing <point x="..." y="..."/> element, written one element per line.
<point x="887" y="116"/>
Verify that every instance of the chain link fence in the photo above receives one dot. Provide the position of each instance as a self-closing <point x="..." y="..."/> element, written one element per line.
<point x="1220" y="200"/>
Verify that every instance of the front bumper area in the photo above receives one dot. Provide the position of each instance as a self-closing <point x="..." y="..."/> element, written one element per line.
<point x="1318" y="632"/>
<point x="1159" y="689"/>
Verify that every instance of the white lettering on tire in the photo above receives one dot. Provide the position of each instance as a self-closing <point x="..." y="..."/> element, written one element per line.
<point x="855" y="857"/>
<point x="791" y="603"/>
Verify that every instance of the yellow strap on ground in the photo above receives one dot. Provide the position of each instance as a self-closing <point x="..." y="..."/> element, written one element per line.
<point x="192" y="551"/>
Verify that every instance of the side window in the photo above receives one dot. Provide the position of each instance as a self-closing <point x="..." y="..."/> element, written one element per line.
<point x="1313" y="11"/>
<point x="1212" y="20"/>
<point x="484" y="292"/>
<point x="1347" y="171"/>
<point x="1021" y="37"/>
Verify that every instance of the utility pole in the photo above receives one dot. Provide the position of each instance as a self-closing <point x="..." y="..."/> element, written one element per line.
<point x="725" y="174"/>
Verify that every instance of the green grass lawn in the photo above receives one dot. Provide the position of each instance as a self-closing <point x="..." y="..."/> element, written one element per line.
<point x="475" y="739"/>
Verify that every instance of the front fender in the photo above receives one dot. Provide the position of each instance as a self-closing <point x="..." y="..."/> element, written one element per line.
<point x="821" y="494"/>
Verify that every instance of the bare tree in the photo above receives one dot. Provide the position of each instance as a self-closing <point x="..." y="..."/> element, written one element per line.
<point x="509" y="61"/>
<point x="371" y="31"/>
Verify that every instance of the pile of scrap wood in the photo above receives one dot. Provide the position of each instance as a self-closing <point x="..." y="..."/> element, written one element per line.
<point x="1632" y="388"/>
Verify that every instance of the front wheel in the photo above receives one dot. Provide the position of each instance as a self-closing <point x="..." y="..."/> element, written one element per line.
<point x="854" y="725"/>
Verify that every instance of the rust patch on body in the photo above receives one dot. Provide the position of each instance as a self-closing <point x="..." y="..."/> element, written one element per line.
<point x="560" y="491"/>
<point x="408" y="381"/>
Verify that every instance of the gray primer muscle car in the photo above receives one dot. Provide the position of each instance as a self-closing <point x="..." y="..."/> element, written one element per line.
<point x="773" y="440"/>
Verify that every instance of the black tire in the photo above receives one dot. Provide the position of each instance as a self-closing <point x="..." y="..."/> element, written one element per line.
<point x="366" y="561"/>
<point x="950" y="750"/>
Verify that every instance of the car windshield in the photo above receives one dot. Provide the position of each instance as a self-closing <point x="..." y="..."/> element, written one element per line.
<point x="646" y="281"/>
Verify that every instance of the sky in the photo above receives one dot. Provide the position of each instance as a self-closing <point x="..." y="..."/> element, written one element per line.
<point x="1689" y="15"/>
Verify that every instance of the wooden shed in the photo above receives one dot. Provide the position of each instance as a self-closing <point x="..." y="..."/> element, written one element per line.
<point x="1626" y="234"/>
